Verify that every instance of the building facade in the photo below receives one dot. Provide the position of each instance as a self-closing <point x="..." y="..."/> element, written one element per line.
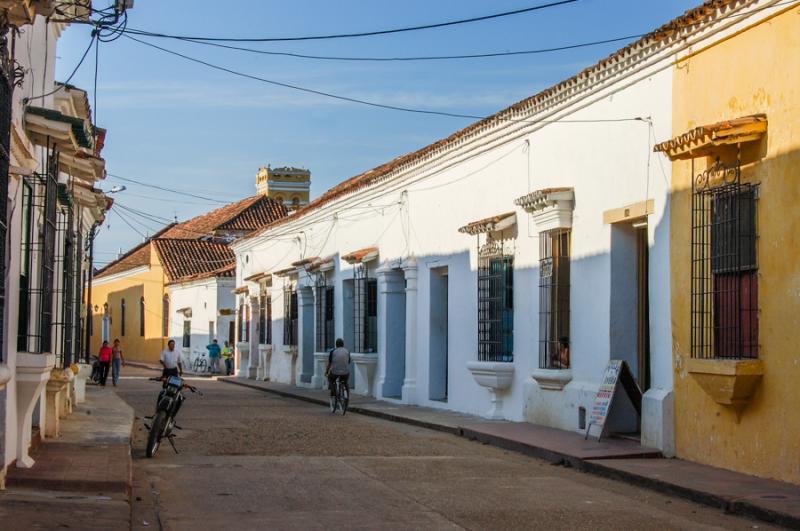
<point x="734" y="240"/>
<point x="290" y="186"/>
<point x="51" y="163"/>
<point x="132" y="296"/>
<point x="498" y="271"/>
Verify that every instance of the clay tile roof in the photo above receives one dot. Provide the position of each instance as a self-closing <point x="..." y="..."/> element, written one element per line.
<point x="305" y="261"/>
<point x="361" y="255"/>
<point x="185" y="260"/>
<point x="260" y="213"/>
<point x="490" y="224"/>
<point x="540" y="199"/>
<point x="257" y="276"/>
<point x="700" y="140"/>
<point x="136" y="257"/>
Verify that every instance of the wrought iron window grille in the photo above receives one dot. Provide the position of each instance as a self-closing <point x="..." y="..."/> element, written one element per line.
<point x="289" y="315"/>
<point x="365" y="310"/>
<point x="264" y="317"/>
<point x="323" y="301"/>
<point x="38" y="259"/>
<point x="724" y="282"/>
<point x="554" y="299"/>
<point x="65" y="290"/>
<point x="495" y="302"/>
<point x="187" y="334"/>
<point x="6" y="92"/>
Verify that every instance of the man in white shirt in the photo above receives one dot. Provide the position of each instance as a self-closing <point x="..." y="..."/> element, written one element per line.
<point x="171" y="360"/>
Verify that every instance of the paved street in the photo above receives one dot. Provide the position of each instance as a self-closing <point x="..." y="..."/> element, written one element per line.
<point x="252" y="460"/>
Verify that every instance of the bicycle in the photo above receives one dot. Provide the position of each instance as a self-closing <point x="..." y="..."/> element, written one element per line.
<point x="200" y="364"/>
<point x="341" y="396"/>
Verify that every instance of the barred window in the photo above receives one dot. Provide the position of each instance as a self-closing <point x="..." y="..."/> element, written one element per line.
<point x="724" y="303"/>
<point x="165" y="316"/>
<point x="289" y="316"/>
<point x="38" y="259"/>
<point x="495" y="304"/>
<point x="323" y="299"/>
<point x="246" y="321"/>
<point x="6" y="89"/>
<point x="264" y="318"/>
<point x="122" y="317"/>
<point x="187" y="334"/>
<point x="141" y="316"/>
<point x="554" y="252"/>
<point x="365" y="309"/>
<point x="241" y="321"/>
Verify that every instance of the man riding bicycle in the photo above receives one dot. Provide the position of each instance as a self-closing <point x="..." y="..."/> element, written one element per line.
<point x="338" y="366"/>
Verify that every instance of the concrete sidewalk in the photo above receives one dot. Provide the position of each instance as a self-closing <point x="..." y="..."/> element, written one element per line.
<point x="621" y="459"/>
<point x="87" y="471"/>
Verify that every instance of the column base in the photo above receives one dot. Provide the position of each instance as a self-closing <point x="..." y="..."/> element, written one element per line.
<point x="409" y="391"/>
<point x="365" y="370"/>
<point x="33" y="371"/>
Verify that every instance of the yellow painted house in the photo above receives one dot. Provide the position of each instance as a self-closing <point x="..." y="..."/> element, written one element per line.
<point x="131" y="296"/>
<point x="735" y="245"/>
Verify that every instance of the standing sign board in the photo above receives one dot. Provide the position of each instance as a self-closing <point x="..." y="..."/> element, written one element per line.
<point x="617" y="375"/>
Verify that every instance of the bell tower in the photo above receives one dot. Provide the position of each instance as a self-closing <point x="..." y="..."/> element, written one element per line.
<point x="291" y="186"/>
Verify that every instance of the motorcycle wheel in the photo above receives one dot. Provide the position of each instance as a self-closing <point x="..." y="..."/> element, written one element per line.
<point x="154" y="438"/>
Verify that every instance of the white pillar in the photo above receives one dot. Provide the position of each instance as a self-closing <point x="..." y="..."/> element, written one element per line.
<point x="409" y="267"/>
<point x="391" y="332"/>
<point x="255" y="358"/>
<point x="305" y="333"/>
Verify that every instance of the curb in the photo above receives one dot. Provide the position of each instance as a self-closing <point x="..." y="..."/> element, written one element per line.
<point x="590" y="466"/>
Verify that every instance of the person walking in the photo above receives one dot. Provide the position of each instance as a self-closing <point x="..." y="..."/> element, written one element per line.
<point x="117" y="360"/>
<point x="227" y="355"/>
<point x="104" y="357"/>
<point x="213" y="356"/>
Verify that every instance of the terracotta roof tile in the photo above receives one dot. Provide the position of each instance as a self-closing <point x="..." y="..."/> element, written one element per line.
<point x="360" y="255"/>
<point x="135" y="257"/>
<point x="489" y="224"/>
<point x="668" y="31"/>
<point x="194" y="259"/>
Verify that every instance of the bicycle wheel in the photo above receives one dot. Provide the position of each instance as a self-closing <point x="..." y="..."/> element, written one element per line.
<point x="344" y="400"/>
<point x="203" y="365"/>
<point x="196" y="365"/>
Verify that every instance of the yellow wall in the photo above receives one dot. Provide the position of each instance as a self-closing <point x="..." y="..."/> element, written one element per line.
<point x="757" y="71"/>
<point x="149" y="284"/>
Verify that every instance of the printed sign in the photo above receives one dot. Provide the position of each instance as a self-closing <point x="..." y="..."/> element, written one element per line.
<point x="616" y="373"/>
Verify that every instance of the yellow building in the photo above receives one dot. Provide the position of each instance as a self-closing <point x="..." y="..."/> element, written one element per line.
<point x="131" y="295"/>
<point x="735" y="245"/>
<point x="290" y="186"/>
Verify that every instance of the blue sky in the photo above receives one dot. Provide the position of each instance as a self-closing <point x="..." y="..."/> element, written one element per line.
<point x="181" y="125"/>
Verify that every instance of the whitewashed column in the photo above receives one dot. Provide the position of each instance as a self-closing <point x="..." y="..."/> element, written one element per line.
<point x="254" y="360"/>
<point x="391" y="332"/>
<point x="409" y="267"/>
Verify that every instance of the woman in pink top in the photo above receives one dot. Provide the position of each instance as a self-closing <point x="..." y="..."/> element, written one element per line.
<point x="105" y="361"/>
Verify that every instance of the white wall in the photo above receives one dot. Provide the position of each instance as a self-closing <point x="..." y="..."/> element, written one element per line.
<point x="609" y="164"/>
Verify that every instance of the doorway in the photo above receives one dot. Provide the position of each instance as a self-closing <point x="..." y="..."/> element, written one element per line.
<point x="438" y="357"/>
<point x="630" y="300"/>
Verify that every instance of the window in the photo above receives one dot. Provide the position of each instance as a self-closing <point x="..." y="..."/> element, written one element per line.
<point x="165" y="316"/>
<point x="495" y="304"/>
<point x="264" y="318"/>
<point x="241" y="321"/>
<point x="6" y="88"/>
<point x="365" y="308"/>
<point x="724" y="303"/>
<point x="323" y="299"/>
<point x="25" y="266"/>
<point x="141" y="316"/>
<point x="187" y="334"/>
<point x="554" y="250"/>
<point x="289" y="316"/>
<point x="246" y="321"/>
<point x="122" y="317"/>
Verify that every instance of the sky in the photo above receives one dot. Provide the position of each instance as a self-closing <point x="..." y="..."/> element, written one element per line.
<point x="184" y="126"/>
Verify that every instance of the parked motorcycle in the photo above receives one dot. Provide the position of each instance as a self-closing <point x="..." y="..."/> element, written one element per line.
<point x="169" y="403"/>
<point x="97" y="373"/>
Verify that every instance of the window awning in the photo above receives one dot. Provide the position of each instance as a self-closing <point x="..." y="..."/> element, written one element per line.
<point x="491" y="224"/>
<point x="68" y="132"/>
<point x="305" y="262"/>
<point x="541" y="199"/>
<point x="258" y="277"/>
<point x="187" y="311"/>
<point x="361" y="256"/>
<point x="322" y="264"/>
<point x="240" y="290"/>
<point x="701" y="141"/>
<point x="285" y="272"/>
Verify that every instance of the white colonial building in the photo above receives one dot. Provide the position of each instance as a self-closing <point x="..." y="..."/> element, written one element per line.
<point x="498" y="271"/>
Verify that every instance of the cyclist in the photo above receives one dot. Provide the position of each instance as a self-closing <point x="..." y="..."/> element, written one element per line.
<point x="338" y="366"/>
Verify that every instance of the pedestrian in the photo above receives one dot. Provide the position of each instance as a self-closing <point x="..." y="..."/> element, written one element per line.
<point x="117" y="359"/>
<point x="104" y="357"/>
<point x="227" y="355"/>
<point x="213" y="356"/>
<point x="170" y="360"/>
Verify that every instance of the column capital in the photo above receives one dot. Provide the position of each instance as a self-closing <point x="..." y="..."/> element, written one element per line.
<point x="305" y="296"/>
<point x="409" y="264"/>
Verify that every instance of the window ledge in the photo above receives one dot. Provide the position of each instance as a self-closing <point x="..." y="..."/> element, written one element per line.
<point x="727" y="382"/>
<point x="492" y="374"/>
<point x="243" y="347"/>
<point x="5" y="375"/>
<point x="365" y="358"/>
<point x="290" y="350"/>
<point x="552" y="379"/>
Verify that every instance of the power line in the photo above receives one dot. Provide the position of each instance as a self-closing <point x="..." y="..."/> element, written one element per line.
<point x="365" y="102"/>
<point x="363" y="33"/>
<point x="162" y="188"/>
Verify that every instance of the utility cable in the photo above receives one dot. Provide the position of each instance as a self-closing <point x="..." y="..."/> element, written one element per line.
<point x="364" y="33"/>
<point x="366" y="102"/>
<point x="74" y="71"/>
<point x="167" y="189"/>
